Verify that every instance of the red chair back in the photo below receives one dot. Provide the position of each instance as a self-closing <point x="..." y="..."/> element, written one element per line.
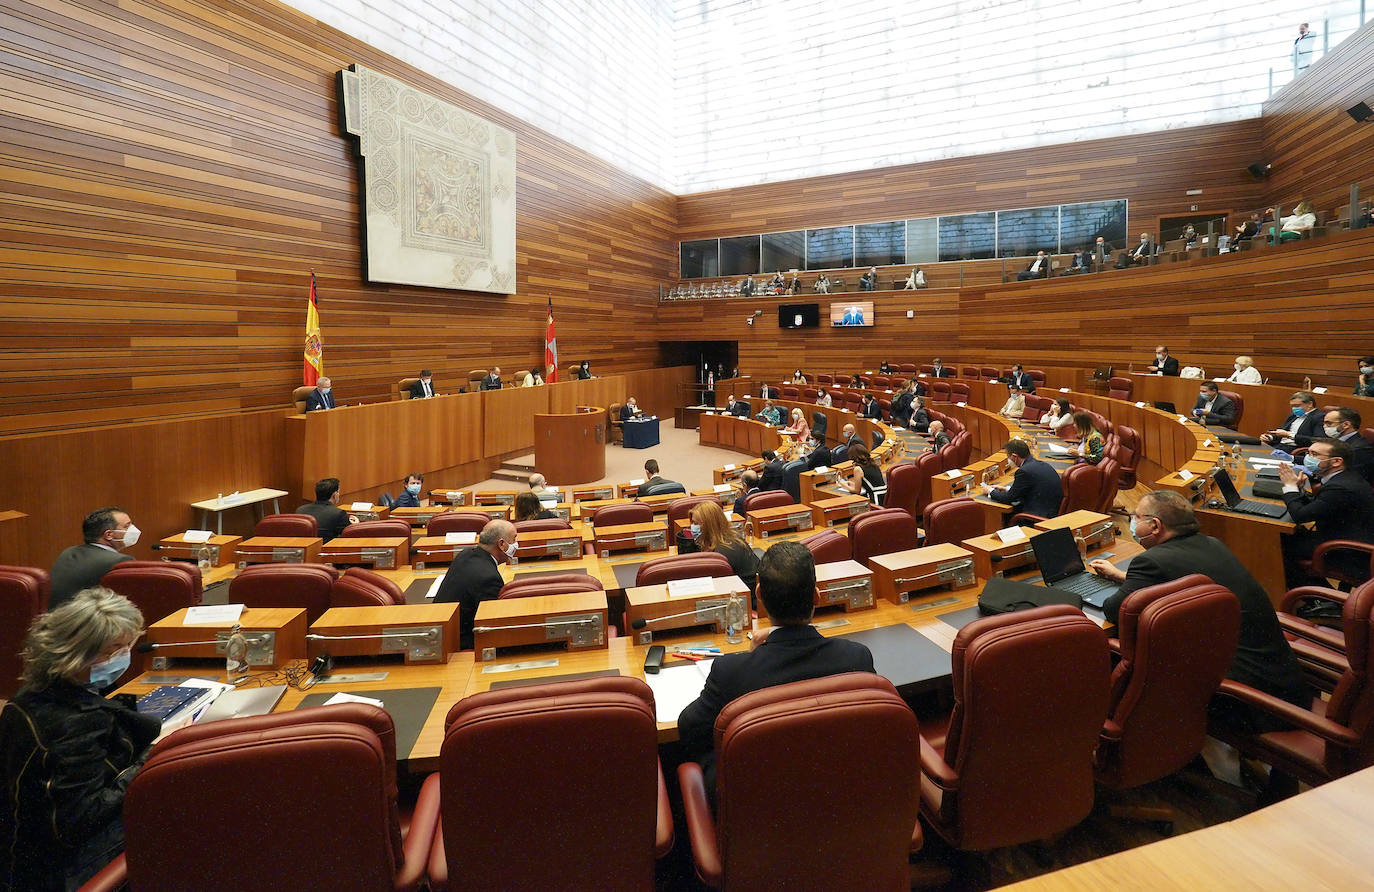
<point x="457" y="522"/>
<point x="927" y="465"/>
<point x="828" y="546"/>
<point x="620" y="515"/>
<point x="603" y="774"/>
<point x="378" y="529"/>
<point x="1352" y="702"/>
<point x="881" y="531"/>
<point x="552" y="584"/>
<point x="903" y="487"/>
<point x="769" y="498"/>
<point x="1120" y="388"/>
<point x="683" y="566"/>
<point x="288" y="526"/>
<point x="959" y="392"/>
<point x="1239" y="401"/>
<point x="939" y="390"/>
<point x="968" y="371"/>
<point x="951" y="521"/>
<point x="1127" y="454"/>
<point x="1082" y="488"/>
<point x="1177" y="641"/>
<point x="348" y="829"/>
<point x="790" y="392"/>
<point x="157" y="588"/>
<point x="1111" y="482"/>
<point x="988" y="371"/>
<point x="363" y="588"/>
<point x="285" y="585"/>
<point x="681" y="509"/>
<point x="765" y="742"/>
<point x="1040" y="675"/>
<point x="24" y="593"/>
<point x="547" y="525"/>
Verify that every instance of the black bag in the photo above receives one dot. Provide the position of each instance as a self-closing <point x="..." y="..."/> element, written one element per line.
<point x="1002" y="595"/>
<point x="1268" y="485"/>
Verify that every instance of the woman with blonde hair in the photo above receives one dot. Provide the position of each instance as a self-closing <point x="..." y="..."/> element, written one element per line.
<point x="68" y="752"/>
<point x="1298" y="223"/>
<point x="712" y="532"/>
<point x="1090" y="441"/>
<point x="798" y="427"/>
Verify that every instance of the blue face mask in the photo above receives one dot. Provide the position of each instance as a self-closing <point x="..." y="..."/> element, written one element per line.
<point x="413" y="488"/>
<point x="1299" y="412"/>
<point x="1312" y="464"/>
<point x="104" y="672"/>
<point x="696" y="530"/>
<point x="1133" y="532"/>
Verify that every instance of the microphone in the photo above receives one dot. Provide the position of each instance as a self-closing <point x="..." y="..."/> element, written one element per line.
<point x="641" y="622"/>
<point x="150" y="646"/>
<point x="544" y="625"/>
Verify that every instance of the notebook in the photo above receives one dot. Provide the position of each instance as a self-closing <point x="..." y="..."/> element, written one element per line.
<point x="1061" y="567"/>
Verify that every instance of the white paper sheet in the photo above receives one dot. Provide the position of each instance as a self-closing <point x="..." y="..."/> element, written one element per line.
<point x="341" y="697"/>
<point x="213" y="615"/>
<point x="691" y="588"/>
<point x="196" y="536"/>
<point x="676" y="687"/>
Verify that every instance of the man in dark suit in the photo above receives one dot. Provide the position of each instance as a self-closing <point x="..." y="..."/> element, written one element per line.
<point x="1164" y="523"/>
<point x="1140" y="254"/>
<point x="1342" y="509"/>
<point x="325" y="509"/>
<point x="492" y="381"/>
<point x="938" y="438"/>
<point x="738" y="408"/>
<point x="1344" y="424"/>
<point x="1022" y="379"/>
<point x="771" y="478"/>
<point x="793" y="651"/>
<point x="475" y="575"/>
<point x="1100" y="252"/>
<point x="818" y="454"/>
<point x="1213" y="406"/>
<point x="1300" y="428"/>
<point x="940" y="370"/>
<point x="871" y="409"/>
<point x="850" y="437"/>
<point x="1036" y="488"/>
<point x="629" y="410"/>
<point x="748" y="485"/>
<point x="107" y="532"/>
<point x="655" y="483"/>
<point x="1164" y="364"/>
<point x="1082" y="262"/>
<point x="321" y="397"/>
<point x="1039" y="268"/>
<point x="424" y="388"/>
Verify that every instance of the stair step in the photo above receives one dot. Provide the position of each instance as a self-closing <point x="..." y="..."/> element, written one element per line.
<point x="508" y="474"/>
<point x="526" y="467"/>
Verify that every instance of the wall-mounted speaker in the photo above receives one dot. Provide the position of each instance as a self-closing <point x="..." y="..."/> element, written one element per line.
<point x="1259" y="170"/>
<point x="1361" y="112"/>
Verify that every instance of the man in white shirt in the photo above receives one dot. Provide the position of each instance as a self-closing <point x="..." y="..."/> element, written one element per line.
<point x="1245" y="372"/>
<point x="1040" y="266"/>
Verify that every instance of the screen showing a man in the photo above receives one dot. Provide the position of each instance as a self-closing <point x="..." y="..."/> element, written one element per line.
<point x="853" y="313"/>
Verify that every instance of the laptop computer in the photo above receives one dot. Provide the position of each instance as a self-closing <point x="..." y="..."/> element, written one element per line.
<point x="1227" y="487"/>
<point x="1062" y="568"/>
<point x="1165" y="407"/>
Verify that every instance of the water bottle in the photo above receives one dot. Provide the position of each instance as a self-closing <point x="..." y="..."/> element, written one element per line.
<point x="236" y="656"/>
<point x="735" y="616"/>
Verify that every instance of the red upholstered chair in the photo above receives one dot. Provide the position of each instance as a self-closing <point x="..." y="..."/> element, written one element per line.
<point x="1035" y="407"/>
<point x="951" y="521"/>
<point x="288" y="526"/>
<point x="285" y="585"/>
<point x="1038" y="376"/>
<point x="825" y="380"/>
<point x="552" y="584"/>
<point x="1176" y="641"/>
<point x="683" y="566"/>
<point x="363" y="588"/>
<point x="346" y="833"/>
<point x="908" y="369"/>
<point x="157" y="588"/>
<point x="809" y="394"/>
<point x="928" y="465"/>
<point x="24" y="593"/>
<point x="457" y="522"/>
<point x="959" y="392"/>
<point x="988" y="371"/>
<point x="1111" y="483"/>
<point x="885" y="405"/>
<point x="1082" y="492"/>
<point x="1038" y="675"/>
<point x="881" y="531"/>
<point x="959" y="451"/>
<point x="1120" y="388"/>
<point x="620" y="515"/>
<point x="378" y="529"/>
<point x="927" y="369"/>
<point x="826" y="837"/>
<point x="547" y="525"/>
<point x="1320" y="649"/>
<point x="828" y="546"/>
<point x="853" y="402"/>
<point x="769" y="498"/>
<point x="880" y="382"/>
<point x="681" y="509"/>
<point x="1333" y="738"/>
<point x="903" y="487"/>
<point x="968" y="371"/>
<point x="1127" y="454"/>
<point x="939" y="390"/>
<point x="612" y="816"/>
<point x="790" y="392"/>
<point x="1239" y="401"/>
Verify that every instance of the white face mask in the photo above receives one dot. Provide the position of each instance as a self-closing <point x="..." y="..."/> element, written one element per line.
<point x="1237" y="366"/>
<point x="510" y="552"/>
<point x="131" y="534"/>
<point x="1332" y="431"/>
<point x="325" y="390"/>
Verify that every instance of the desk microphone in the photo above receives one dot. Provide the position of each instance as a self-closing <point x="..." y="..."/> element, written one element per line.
<point x="641" y="622"/>
<point x="150" y="646"/>
<point x="544" y="625"/>
<point x="429" y="633"/>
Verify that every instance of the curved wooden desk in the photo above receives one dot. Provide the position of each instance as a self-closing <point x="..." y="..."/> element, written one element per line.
<point x="570" y="449"/>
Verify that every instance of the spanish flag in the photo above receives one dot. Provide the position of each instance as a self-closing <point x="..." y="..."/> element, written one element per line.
<point x="550" y="349"/>
<point x="314" y="347"/>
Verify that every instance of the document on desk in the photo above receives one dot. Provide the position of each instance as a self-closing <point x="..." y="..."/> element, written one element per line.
<point x="675" y="687"/>
<point x="1058" y="449"/>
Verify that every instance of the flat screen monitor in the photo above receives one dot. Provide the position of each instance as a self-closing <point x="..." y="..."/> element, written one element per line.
<point x="799" y="315"/>
<point x="851" y="313"/>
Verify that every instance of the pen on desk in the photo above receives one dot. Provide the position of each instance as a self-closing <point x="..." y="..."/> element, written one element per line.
<point x="699" y="651"/>
<point x="686" y="656"/>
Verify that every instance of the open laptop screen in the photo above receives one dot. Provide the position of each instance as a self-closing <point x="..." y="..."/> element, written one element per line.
<point x="1057" y="555"/>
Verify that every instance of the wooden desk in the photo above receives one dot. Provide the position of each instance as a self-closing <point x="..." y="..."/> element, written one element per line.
<point x="631" y="536"/>
<point x="254" y="497"/>
<point x="375" y="621"/>
<point x="571" y="449"/>
<point x="385" y="553"/>
<point x="286" y="624"/>
<point x="222" y="549"/>
<point x="279" y="550"/>
<point x="577" y="620"/>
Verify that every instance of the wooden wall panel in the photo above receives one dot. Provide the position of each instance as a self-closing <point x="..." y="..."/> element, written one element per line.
<point x="1151" y="170"/>
<point x="1318" y="150"/>
<point x="174" y="171"/>
<point x="508" y="418"/>
<point x="658" y="391"/>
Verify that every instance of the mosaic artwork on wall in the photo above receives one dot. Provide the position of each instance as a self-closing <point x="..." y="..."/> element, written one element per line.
<point x="438" y="187"/>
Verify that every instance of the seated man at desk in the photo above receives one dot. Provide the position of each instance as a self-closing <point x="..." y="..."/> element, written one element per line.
<point x="106" y="533"/>
<point x="791" y="651"/>
<point x="329" y="517"/>
<point x="1301" y="425"/>
<point x="1082" y="262"/>
<point x="1022" y="378"/>
<point x="871" y="409"/>
<point x="938" y="438"/>
<point x="1038" y="268"/>
<point x="869" y="280"/>
<point x="423" y="388"/>
<point x="772" y="475"/>
<point x="1036" y="487"/>
<point x="1214" y="407"/>
<point x="1343" y="508"/>
<point x="1140" y="254"/>
<point x="492" y="381"/>
<point x="939" y="370"/>
<point x="410" y="495"/>
<point x="630" y="410"/>
<point x="748" y="485"/>
<point x="1164" y="364"/>
<point x="475" y="575"/>
<point x="1165" y="525"/>
<point x="321" y="397"/>
<point x="1015" y="405"/>
<point x="1343" y="424"/>
<point x="655" y="483"/>
<point x="737" y="408"/>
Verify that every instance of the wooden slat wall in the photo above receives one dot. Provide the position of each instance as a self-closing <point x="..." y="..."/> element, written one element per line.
<point x="1316" y="148"/>
<point x="174" y="170"/>
<point x="1152" y="170"/>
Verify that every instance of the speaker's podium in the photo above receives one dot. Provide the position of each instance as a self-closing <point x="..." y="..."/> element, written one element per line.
<point x="571" y="448"/>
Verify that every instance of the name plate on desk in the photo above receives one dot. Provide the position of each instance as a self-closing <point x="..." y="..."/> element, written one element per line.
<point x="578" y="619"/>
<point x="899" y="574"/>
<point x="847" y="583"/>
<point x="840" y="509"/>
<point x="992" y="556"/>
<point x="661" y="611"/>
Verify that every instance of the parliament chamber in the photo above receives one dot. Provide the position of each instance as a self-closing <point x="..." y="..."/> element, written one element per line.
<point x="182" y="184"/>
